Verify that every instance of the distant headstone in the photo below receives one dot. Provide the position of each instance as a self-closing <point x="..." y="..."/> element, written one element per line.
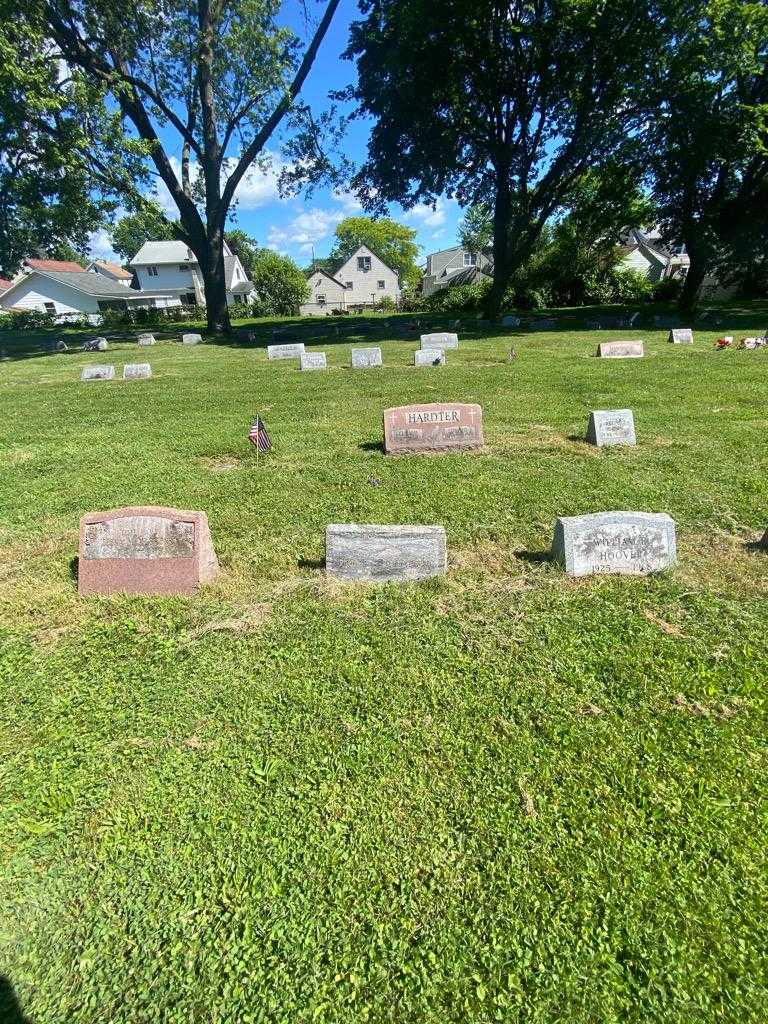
<point x="610" y="427"/>
<point x="145" y="550"/>
<point x="287" y="351"/>
<point x="364" y="358"/>
<point x="149" y="339"/>
<point x="441" y="340"/>
<point x="433" y="427"/>
<point x="379" y="554"/>
<point x="681" y="336"/>
<point x="510" y="321"/>
<point x="543" y="325"/>
<point x="4" y="357"/>
<point x="621" y="350"/>
<point x="429" y="357"/>
<point x="313" y="361"/>
<point x="191" y="339"/>
<point x="54" y="346"/>
<point x="628" y="543"/>
<point x="136" y="371"/>
<point x="95" y="345"/>
<point x="98" y="373"/>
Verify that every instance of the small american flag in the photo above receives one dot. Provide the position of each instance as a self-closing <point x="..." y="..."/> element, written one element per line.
<point x="258" y="435"/>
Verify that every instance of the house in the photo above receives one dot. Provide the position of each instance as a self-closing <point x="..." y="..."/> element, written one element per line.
<point x="650" y="256"/>
<point x="172" y="268"/>
<point x="111" y="271"/>
<point x="357" y="283"/>
<point x="453" y="267"/>
<point x="72" y="293"/>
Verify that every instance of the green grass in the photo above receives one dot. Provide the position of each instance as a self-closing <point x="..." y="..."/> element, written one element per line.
<point x="287" y="800"/>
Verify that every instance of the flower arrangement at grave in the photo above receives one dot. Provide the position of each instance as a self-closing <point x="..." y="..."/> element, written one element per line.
<point x="722" y="343"/>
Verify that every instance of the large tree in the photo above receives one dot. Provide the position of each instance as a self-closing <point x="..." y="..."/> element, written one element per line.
<point x="394" y="243"/>
<point x="708" y="138"/>
<point x="505" y="102"/>
<point x="213" y="79"/>
<point x="147" y="224"/>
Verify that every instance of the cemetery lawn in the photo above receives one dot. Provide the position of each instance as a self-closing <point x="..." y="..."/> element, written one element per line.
<point x="506" y="795"/>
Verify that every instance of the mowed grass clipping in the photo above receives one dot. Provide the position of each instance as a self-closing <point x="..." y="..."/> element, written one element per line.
<point x="501" y="796"/>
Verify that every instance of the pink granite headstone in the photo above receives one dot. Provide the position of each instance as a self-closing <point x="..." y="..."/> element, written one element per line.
<point x="433" y="427"/>
<point x="145" y="550"/>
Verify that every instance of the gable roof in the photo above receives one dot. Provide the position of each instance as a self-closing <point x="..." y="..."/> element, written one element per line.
<point x="81" y="281"/>
<point x="373" y="252"/>
<point x="167" y="252"/>
<point x="321" y="270"/>
<point x="114" y="269"/>
<point x="66" y="266"/>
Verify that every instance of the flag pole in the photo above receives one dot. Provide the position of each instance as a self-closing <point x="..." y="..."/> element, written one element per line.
<point x="258" y="439"/>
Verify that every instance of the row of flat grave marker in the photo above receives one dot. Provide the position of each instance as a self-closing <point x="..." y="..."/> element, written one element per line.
<point x="131" y="371"/>
<point x="154" y="550"/>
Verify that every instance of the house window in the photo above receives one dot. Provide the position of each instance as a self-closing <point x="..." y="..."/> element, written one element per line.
<point x="50" y="307"/>
<point x="381" y="285"/>
<point x="321" y="300"/>
<point x="151" y="271"/>
<point x="183" y="267"/>
<point x="349" y="284"/>
<point x="470" y="259"/>
<point x="364" y="263"/>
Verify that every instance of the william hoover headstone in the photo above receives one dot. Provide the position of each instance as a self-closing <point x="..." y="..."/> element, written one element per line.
<point x="429" y="357"/>
<point x="288" y="351"/>
<point x="440" y="340"/>
<point x="313" y="361"/>
<point x="627" y="543"/>
<point x="382" y="553"/>
<point x="621" y="350"/>
<point x="145" y="550"/>
<point x="191" y="339"/>
<point x="98" y="373"/>
<point x="610" y="427"/>
<point x="681" y="336"/>
<point x="365" y="358"/>
<point x="136" y="371"/>
<point x="450" y="426"/>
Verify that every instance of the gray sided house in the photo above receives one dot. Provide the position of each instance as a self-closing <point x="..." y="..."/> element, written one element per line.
<point x="648" y="254"/>
<point x="450" y="268"/>
<point x="355" y="284"/>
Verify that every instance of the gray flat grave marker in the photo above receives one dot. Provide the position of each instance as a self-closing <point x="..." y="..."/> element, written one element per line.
<point x="294" y="350"/>
<point x="191" y="339"/>
<point x="379" y="554"/>
<point x="98" y="373"/>
<point x="433" y="427"/>
<point x="365" y="358"/>
<point x="442" y="339"/>
<point x="149" y="339"/>
<point x="611" y="427"/>
<point x="429" y="357"/>
<point x="625" y="543"/>
<point x="136" y="371"/>
<point x="681" y="336"/>
<point x="621" y="350"/>
<point x="313" y="361"/>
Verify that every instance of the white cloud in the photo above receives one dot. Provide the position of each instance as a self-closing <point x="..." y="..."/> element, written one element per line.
<point x="305" y="230"/>
<point x="349" y="203"/>
<point x="258" y="187"/>
<point x="424" y="215"/>
<point x="100" y="247"/>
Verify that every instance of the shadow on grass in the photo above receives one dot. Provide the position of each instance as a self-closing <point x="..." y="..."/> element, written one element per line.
<point x="756" y="547"/>
<point x="74" y="568"/>
<point x="311" y="563"/>
<point x="372" y="446"/>
<point x="10" y="1008"/>
<point x="534" y="557"/>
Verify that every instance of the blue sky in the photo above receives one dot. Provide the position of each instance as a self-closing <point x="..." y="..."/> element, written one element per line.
<point x="295" y="225"/>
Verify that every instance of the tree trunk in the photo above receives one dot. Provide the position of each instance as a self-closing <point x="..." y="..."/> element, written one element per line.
<point x="502" y="212"/>
<point x="215" y="284"/>
<point x="694" y="279"/>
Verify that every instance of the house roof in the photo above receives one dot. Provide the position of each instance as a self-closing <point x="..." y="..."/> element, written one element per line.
<point x="238" y="287"/>
<point x="114" y="269"/>
<point x="336" y="265"/>
<point x="88" y="284"/>
<point x="321" y="270"/>
<point x="5" y="284"/>
<point x="66" y="266"/>
<point x="163" y="252"/>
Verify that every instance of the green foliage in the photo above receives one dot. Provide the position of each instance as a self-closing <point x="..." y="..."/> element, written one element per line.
<point x="147" y="224"/>
<point x="26" y="320"/>
<point x="463" y="298"/>
<point x="476" y="228"/>
<point x="394" y="243"/>
<point x="247" y="248"/>
<point x="281" y="286"/>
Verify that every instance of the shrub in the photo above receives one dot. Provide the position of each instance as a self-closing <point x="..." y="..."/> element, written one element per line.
<point x="464" y="298"/>
<point x="28" y="320"/>
<point x="667" y="291"/>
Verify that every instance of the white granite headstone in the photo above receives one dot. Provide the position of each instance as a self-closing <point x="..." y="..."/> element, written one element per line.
<point x="288" y="351"/>
<point x="313" y="361"/>
<point x="625" y="543"/>
<point x="681" y="336"/>
<point x="429" y="357"/>
<point x="441" y="339"/>
<point x="380" y="554"/>
<point x="98" y="373"/>
<point x="365" y="358"/>
<point x="611" y="427"/>
<point x="136" y="371"/>
<point x="191" y="339"/>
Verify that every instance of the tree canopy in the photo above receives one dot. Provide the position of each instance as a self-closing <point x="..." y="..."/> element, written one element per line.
<point x="394" y="243"/>
<point x="148" y="223"/>
<point x="280" y="284"/>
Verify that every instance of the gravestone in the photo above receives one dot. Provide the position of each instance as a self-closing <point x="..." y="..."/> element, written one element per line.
<point x="681" y="336"/>
<point x="620" y="350"/>
<point x="510" y="321"/>
<point x="627" y="543"/>
<point x="429" y="357"/>
<point x="149" y="339"/>
<point x="382" y="553"/>
<point x="54" y="346"/>
<point x="136" y="371"/>
<point x="145" y="550"/>
<point x="543" y="325"/>
<point x="191" y="339"/>
<point x="95" y="345"/>
<point x="288" y="351"/>
<point x="365" y="358"/>
<point x="450" y="426"/>
<point x="313" y="361"/>
<point x="611" y="427"/>
<point x="98" y="373"/>
<point x="441" y="340"/>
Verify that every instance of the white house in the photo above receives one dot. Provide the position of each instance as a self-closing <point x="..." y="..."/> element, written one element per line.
<point x="111" y="271"/>
<point x="450" y="267"/>
<point x="648" y="254"/>
<point x="357" y="283"/>
<point x="172" y="268"/>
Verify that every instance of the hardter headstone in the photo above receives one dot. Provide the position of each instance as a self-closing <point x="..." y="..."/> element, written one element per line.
<point x="191" y="339"/>
<point x="441" y="340"/>
<point x="145" y="550"/>
<point x="621" y="350"/>
<point x="313" y="361"/>
<point x="429" y="357"/>
<point x="433" y="427"/>
<point x="610" y="427"/>
<point x="681" y="336"/>
<point x="136" y="371"/>
<point x="148" y="339"/>
<point x="287" y="351"/>
<point x="365" y="358"/>
<point x="98" y="373"/>
<point x="627" y="543"/>
<point x="382" y="553"/>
